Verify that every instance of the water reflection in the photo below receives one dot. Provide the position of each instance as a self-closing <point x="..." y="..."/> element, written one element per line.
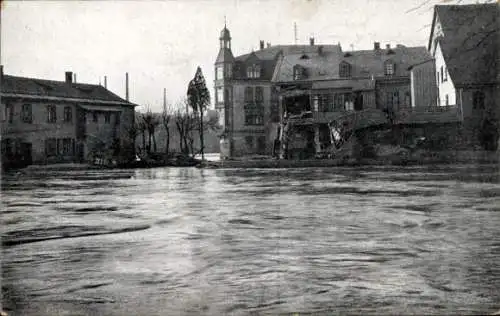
<point x="419" y="240"/>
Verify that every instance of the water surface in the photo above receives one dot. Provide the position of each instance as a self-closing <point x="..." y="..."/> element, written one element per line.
<point x="185" y="241"/>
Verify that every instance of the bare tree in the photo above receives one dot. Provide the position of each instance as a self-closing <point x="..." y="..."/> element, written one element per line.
<point x="141" y="129"/>
<point x="151" y="121"/>
<point x="186" y="124"/>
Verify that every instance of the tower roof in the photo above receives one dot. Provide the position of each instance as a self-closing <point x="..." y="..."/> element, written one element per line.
<point x="224" y="34"/>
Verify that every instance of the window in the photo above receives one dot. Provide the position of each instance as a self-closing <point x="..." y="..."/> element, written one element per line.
<point x="68" y="114"/>
<point x="447" y="100"/>
<point x="219" y="95"/>
<point x="299" y="72"/>
<point x="259" y="95"/>
<point x="445" y="72"/>
<point x="248" y="94"/>
<point x="257" y="71"/>
<point x="26" y="113"/>
<point x="67" y="146"/>
<point x="392" y="99"/>
<point x="345" y="70"/>
<point x="478" y="100"/>
<point x="253" y="71"/>
<point x="219" y="72"/>
<point x="254" y="114"/>
<point x="229" y="71"/>
<point x="442" y="77"/>
<point x="51" y="147"/>
<point x="389" y="68"/>
<point x="249" y="141"/>
<point x="10" y="112"/>
<point x="338" y="102"/>
<point x="325" y="103"/>
<point x="95" y="117"/>
<point x="437" y="77"/>
<point x="117" y="118"/>
<point x="261" y="144"/>
<point x="107" y="117"/>
<point x="315" y="102"/>
<point x="51" y="114"/>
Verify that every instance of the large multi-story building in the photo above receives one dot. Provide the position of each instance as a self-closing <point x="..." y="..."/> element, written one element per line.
<point x="257" y="93"/>
<point x="45" y="121"/>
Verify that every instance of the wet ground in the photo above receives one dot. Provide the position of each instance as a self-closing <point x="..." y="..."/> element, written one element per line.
<point x="178" y="241"/>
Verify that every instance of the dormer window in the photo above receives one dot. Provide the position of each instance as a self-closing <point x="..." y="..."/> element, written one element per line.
<point x="389" y="68"/>
<point x="345" y="70"/>
<point x="299" y="72"/>
<point x="253" y="71"/>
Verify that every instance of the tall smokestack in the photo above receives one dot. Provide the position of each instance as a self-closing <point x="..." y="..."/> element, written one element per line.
<point x="74" y="78"/>
<point x="126" y="86"/>
<point x="164" y="100"/>
<point x="106" y="82"/>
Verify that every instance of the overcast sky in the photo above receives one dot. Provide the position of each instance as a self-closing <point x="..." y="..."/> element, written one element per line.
<point x="160" y="43"/>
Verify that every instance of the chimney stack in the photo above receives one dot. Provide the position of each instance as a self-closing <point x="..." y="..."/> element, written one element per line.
<point x="320" y="50"/>
<point x="106" y="82"/>
<point x="268" y="44"/>
<point x="376" y="45"/>
<point x="69" y="77"/>
<point x="74" y="78"/>
<point x="388" y="46"/>
<point x="261" y="45"/>
<point x="126" y="86"/>
<point x="1" y="71"/>
<point x="311" y="41"/>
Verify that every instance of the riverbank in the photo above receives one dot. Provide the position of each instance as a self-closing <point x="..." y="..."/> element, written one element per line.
<point x="403" y="158"/>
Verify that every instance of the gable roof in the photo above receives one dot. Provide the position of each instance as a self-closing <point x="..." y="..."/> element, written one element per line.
<point x="13" y="86"/>
<point x="363" y="63"/>
<point x="470" y="42"/>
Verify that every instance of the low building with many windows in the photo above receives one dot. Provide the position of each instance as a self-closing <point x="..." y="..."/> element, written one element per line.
<point x="45" y="121"/>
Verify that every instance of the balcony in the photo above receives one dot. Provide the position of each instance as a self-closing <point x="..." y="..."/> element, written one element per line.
<point x="432" y="114"/>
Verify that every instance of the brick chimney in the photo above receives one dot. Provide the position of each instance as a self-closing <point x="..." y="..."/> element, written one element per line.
<point x="376" y="45"/>
<point x="261" y="45"/>
<point x="126" y="86"/>
<point x="69" y="77"/>
<point x="311" y="41"/>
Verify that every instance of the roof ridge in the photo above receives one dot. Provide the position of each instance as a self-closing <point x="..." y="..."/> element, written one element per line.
<point x="52" y="81"/>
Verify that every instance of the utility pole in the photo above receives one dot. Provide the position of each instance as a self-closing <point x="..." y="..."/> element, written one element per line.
<point x="295" y="32"/>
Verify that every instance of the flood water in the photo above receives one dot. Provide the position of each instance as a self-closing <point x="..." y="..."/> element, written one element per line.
<point x="186" y="241"/>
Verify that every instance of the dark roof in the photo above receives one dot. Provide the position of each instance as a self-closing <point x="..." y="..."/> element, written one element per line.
<point x="268" y="57"/>
<point x="363" y="63"/>
<point x="470" y="42"/>
<point x="225" y="55"/>
<point x="13" y="85"/>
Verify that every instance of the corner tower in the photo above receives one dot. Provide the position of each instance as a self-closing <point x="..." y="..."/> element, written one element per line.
<point x="223" y="91"/>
